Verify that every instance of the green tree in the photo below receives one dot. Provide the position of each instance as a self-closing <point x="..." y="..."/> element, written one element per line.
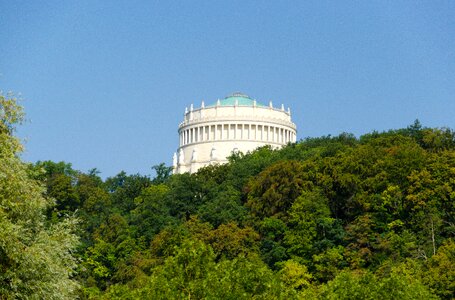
<point x="365" y="285"/>
<point x="162" y="173"/>
<point x="186" y="194"/>
<point x="223" y="205"/>
<point x="125" y="188"/>
<point x="272" y="231"/>
<point x="295" y="275"/>
<point x="440" y="271"/>
<point x="230" y="241"/>
<point x="36" y="259"/>
<point x="329" y="263"/>
<point x="151" y="213"/>
<point x="310" y="225"/>
<point x="193" y="273"/>
<point x="275" y="189"/>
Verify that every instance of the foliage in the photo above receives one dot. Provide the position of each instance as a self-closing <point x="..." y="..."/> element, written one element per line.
<point x="358" y="285"/>
<point x="275" y="189"/>
<point x="36" y="259"/>
<point x="333" y="217"/>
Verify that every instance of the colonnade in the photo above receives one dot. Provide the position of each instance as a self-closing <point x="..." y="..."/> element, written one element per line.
<point x="235" y="131"/>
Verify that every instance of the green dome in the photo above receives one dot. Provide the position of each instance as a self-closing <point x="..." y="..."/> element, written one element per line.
<point x="239" y="99"/>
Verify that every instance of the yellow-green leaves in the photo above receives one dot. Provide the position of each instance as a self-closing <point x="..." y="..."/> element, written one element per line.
<point x="36" y="259"/>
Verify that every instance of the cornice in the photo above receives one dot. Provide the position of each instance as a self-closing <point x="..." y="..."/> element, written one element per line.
<point x="246" y="119"/>
<point x="213" y="142"/>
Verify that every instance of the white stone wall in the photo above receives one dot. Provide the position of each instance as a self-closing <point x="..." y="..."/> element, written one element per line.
<point x="209" y="134"/>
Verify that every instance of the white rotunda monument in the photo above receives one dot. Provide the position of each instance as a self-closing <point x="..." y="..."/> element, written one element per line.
<point x="209" y="134"/>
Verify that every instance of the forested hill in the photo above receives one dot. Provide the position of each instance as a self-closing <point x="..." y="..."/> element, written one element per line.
<point x="326" y="218"/>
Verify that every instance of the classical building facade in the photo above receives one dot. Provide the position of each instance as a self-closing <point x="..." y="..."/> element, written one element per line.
<point x="209" y="134"/>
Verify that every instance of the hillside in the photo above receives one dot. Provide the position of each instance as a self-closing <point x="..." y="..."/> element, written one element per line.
<point x="326" y="218"/>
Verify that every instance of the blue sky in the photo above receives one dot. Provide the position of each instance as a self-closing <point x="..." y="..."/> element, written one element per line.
<point x="105" y="83"/>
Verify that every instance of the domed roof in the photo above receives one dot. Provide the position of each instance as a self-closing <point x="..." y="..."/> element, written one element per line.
<point x="239" y="99"/>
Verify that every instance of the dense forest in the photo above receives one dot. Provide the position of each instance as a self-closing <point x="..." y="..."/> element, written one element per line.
<point x="335" y="217"/>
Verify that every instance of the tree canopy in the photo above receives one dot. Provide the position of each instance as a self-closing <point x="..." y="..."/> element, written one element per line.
<point x="334" y="217"/>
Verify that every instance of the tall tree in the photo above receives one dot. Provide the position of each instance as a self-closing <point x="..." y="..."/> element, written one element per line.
<point x="35" y="259"/>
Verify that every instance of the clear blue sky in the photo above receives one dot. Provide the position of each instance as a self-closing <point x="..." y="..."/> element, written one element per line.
<point x="105" y="83"/>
